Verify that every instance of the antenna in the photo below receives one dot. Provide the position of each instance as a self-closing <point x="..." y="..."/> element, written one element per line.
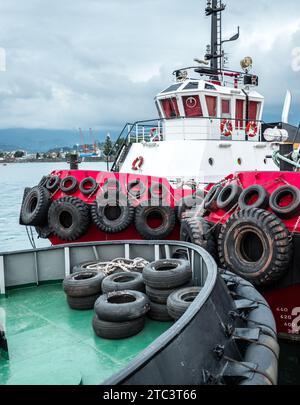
<point x="214" y="9"/>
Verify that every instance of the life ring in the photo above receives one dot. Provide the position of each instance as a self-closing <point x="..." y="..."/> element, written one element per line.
<point x="154" y="135"/>
<point x="251" y="129"/>
<point x="137" y="163"/>
<point x="226" y="127"/>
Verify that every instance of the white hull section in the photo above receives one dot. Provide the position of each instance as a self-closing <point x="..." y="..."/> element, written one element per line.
<point x="205" y="161"/>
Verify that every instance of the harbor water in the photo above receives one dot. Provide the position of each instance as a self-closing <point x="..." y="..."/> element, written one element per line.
<point x="14" y="177"/>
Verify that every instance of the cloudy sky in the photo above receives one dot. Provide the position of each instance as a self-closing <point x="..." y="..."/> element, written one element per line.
<point x="99" y="63"/>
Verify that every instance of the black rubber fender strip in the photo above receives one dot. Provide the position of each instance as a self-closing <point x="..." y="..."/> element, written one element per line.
<point x="250" y="368"/>
<point x="266" y="358"/>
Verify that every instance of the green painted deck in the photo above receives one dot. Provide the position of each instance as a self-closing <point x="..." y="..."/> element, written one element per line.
<point x="49" y="343"/>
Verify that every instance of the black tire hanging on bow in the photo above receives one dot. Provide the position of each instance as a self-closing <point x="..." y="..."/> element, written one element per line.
<point x="165" y="214"/>
<point x="136" y="194"/>
<point x="198" y="231"/>
<point x="69" y="218"/>
<point x="258" y="191"/>
<point x="210" y="200"/>
<point x="290" y="210"/>
<point x="255" y="245"/>
<point x="52" y="183"/>
<point x="158" y="191"/>
<point x="229" y="197"/>
<point x="186" y="204"/>
<point x="88" y="186"/>
<point x="69" y="184"/>
<point x="112" y="214"/>
<point x="35" y="206"/>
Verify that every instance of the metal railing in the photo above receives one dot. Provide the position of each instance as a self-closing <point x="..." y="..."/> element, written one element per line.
<point x="153" y="131"/>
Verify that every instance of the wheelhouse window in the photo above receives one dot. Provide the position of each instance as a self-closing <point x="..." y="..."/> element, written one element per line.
<point x="191" y="86"/>
<point x="192" y="106"/>
<point x="211" y="102"/>
<point x="225" y="108"/>
<point x="170" y="107"/>
<point x="239" y="114"/>
<point x="173" y="87"/>
<point x="254" y="110"/>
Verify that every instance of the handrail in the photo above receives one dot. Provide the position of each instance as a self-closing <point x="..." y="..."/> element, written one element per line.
<point x="158" y="120"/>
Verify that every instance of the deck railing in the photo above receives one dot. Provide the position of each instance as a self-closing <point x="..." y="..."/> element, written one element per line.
<point x="154" y="131"/>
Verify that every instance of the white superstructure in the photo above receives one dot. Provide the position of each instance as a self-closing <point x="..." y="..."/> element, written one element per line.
<point x="208" y="126"/>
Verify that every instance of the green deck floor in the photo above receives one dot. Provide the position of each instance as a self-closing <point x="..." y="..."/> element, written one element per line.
<point x="49" y="343"/>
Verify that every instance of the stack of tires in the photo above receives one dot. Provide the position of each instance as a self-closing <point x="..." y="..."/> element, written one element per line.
<point x="120" y="314"/>
<point x="162" y="278"/>
<point x="83" y="288"/>
<point x="179" y="301"/>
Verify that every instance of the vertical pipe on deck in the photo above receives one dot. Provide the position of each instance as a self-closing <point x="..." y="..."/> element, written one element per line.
<point x="67" y="261"/>
<point x="2" y="279"/>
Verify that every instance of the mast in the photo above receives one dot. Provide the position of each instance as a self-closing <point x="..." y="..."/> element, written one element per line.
<point x="215" y="53"/>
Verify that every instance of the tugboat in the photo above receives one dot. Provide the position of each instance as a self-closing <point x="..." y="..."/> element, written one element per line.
<point x="210" y="124"/>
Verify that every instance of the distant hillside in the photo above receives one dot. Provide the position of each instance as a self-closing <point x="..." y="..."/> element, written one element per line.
<point x="35" y="140"/>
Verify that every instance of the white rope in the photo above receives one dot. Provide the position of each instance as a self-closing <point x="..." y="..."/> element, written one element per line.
<point x="119" y="264"/>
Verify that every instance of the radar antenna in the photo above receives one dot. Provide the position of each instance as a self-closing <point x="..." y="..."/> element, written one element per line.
<point x="215" y="53"/>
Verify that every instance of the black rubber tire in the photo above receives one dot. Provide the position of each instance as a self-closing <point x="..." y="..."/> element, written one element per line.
<point x="83" y="265"/>
<point x="111" y="183"/>
<point x="92" y="186"/>
<point x="161" y="296"/>
<point x="180" y="300"/>
<point x="198" y="231"/>
<point x="121" y="306"/>
<point x="167" y="273"/>
<point x="180" y="254"/>
<point x="144" y="211"/>
<point x="255" y="245"/>
<point x="43" y="181"/>
<point x="210" y="200"/>
<point x="35" y="207"/>
<point x="158" y="191"/>
<point x="289" y="211"/>
<point x="256" y="190"/>
<point x="117" y="330"/>
<point x="83" y="283"/>
<point x="112" y="214"/>
<point x="82" y="303"/>
<point x="159" y="312"/>
<point x="186" y="204"/>
<point x="138" y="193"/>
<point x="229" y="197"/>
<point x="69" y="218"/>
<point x="26" y="191"/>
<point x="72" y="187"/>
<point x="123" y="281"/>
<point x="43" y="232"/>
<point x="52" y="183"/>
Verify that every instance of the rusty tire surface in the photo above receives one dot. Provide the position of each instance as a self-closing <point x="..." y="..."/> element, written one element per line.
<point x="255" y="245"/>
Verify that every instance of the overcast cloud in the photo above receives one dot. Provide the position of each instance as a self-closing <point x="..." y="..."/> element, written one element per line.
<point x="99" y="63"/>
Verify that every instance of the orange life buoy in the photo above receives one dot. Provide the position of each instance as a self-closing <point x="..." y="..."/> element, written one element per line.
<point x="137" y="163"/>
<point x="226" y="127"/>
<point x="154" y="134"/>
<point x="251" y="129"/>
